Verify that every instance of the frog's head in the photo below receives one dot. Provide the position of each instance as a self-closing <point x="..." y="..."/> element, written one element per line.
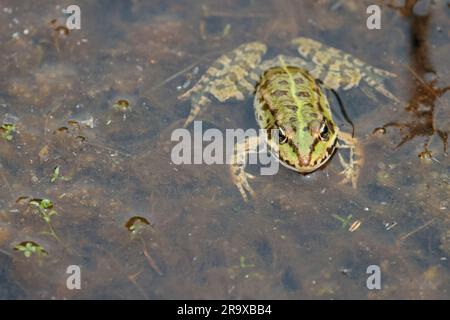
<point x="304" y="146"/>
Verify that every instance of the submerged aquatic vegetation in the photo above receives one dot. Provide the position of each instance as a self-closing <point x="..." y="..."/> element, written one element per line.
<point x="243" y="264"/>
<point x="56" y="175"/>
<point x="353" y="226"/>
<point x="44" y="207"/>
<point x="30" y="247"/>
<point x="7" y="131"/>
<point x="344" y="221"/>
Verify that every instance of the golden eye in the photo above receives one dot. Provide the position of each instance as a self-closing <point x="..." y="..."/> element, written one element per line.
<point x="324" y="133"/>
<point x="281" y="136"/>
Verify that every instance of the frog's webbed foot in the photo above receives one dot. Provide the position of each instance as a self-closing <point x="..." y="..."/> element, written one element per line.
<point x="353" y="165"/>
<point x="238" y="163"/>
<point x="337" y="69"/>
<point x="240" y="177"/>
<point x="231" y="77"/>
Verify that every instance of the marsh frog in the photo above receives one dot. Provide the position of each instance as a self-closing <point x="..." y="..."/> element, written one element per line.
<point x="289" y="96"/>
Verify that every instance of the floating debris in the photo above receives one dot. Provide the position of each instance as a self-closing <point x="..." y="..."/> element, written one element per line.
<point x="136" y="223"/>
<point x="61" y="130"/>
<point x="90" y="122"/>
<point x="62" y="31"/>
<point x="23" y="200"/>
<point x="44" y="154"/>
<point x="354" y="226"/>
<point x="379" y="130"/>
<point x="389" y="226"/>
<point x="122" y="105"/>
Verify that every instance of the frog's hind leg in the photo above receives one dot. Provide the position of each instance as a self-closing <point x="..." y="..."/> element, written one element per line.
<point x="199" y="103"/>
<point x="355" y="162"/>
<point x="337" y="69"/>
<point x="238" y="163"/>
<point x="231" y="77"/>
<point x="374" y="77"/>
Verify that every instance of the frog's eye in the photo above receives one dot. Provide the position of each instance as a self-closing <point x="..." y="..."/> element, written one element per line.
<point x="281" y="136"/>
<point x="324" y="133"/>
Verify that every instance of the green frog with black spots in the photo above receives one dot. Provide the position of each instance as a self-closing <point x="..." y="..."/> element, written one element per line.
<point x="289" y="96"/>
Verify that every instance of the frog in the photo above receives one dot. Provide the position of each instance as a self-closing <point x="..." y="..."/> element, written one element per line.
<point x="290" y="97"/>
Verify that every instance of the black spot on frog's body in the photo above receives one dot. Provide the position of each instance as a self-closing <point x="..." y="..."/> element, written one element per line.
<point x="279" y="93"/>
<point x="320" y="107"/>
<point x="299" y="81"/>
<point x="291" y="107"/>
<point x="302" y="94"/>
<point x="313" y="115"/>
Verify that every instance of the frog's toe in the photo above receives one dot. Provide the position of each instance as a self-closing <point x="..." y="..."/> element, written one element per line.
<point x="249" y="175"/>
<point x="245" y="188"/>
<point x="241" y="182"/>
<point x="350" y="176"/>
<point x="350" y="172"/>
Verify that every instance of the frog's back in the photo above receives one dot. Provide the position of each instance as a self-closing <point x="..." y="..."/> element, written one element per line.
<point x="290" y="96"/>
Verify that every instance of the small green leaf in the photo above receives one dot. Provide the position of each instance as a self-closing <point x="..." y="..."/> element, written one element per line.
<point x="30" y="247"/>
<point x="46" y="204"/>
<point x="55" y="174"/>
<point x="7" y="130"/>
<point x="344" y="221"/>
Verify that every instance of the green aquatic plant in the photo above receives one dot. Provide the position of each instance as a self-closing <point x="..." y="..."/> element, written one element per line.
<point x="44" y="207"/>
<point x="7" y="131"/>
<point x="226" y="30"/>
<point x="29" y="247"/>
<point x="56" y="175"/>
<point x="344" y="221"/>
<point x="243" y="264"/>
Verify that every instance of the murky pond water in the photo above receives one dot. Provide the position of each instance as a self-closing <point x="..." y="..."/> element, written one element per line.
<point x="86" y="176"/>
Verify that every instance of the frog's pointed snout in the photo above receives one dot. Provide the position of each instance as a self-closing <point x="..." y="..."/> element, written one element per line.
<point x="304" y="159"/>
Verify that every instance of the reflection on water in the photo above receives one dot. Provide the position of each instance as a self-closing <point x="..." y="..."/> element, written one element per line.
<point x="87" y="181"/>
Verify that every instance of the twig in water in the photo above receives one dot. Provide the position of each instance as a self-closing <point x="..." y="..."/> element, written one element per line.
<point x="402" y="238"/>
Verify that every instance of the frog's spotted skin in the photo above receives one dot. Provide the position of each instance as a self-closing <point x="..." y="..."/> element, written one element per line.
<point x="288" y="98"/>
<point x="338" y="69"/>
<point x="231" y="77"/>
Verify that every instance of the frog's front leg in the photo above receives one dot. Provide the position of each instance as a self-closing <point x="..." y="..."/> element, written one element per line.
<point x="355" y="162"/>
<point x="231" y="77"/>
<point x="238" y="163"/>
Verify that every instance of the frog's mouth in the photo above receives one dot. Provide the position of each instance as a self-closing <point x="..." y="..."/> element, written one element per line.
<point x="308" y="169"/>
